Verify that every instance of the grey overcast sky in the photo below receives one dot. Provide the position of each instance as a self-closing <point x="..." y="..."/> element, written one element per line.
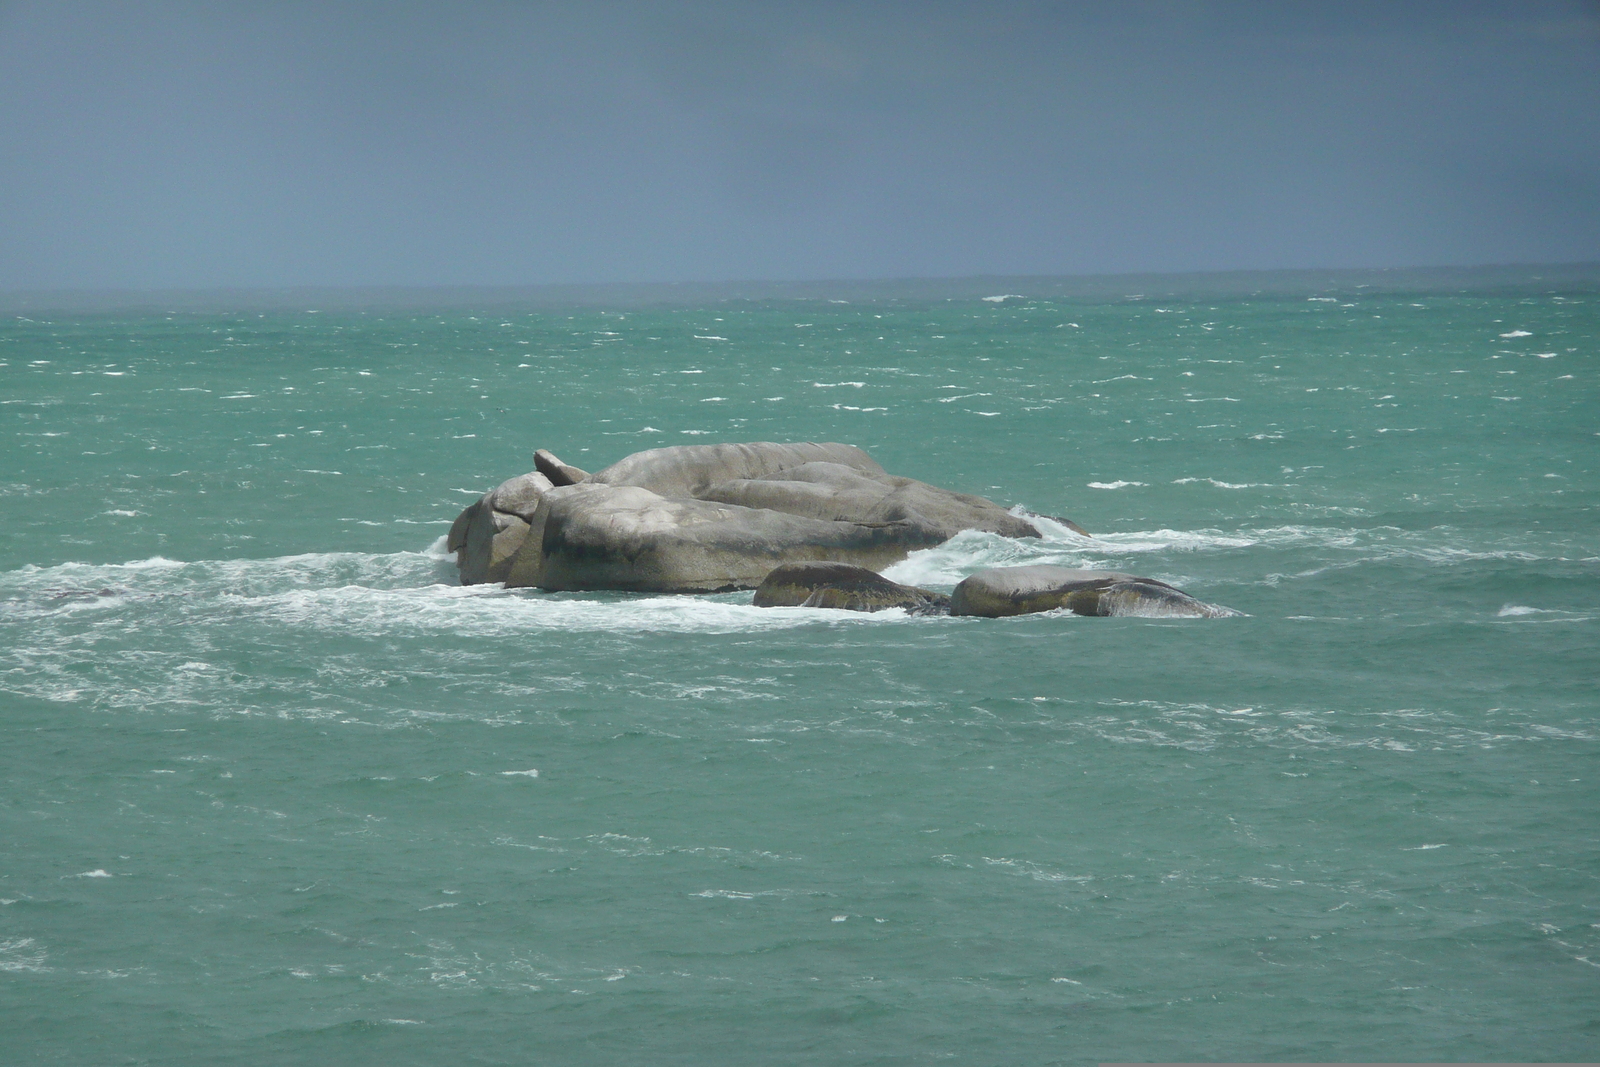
<point x="161" y="144"/>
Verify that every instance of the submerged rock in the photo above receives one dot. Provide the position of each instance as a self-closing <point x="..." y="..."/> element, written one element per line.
<point x="841" y="585"/>
<point x="700" y="518"/>
<point x="1003" y="591"/>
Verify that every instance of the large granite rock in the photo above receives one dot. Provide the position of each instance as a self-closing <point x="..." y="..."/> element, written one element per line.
<point x="707" y="517"/>
<point x="841" y="585"/>
<point x="1003" y="591"/>
<point x="625" y="537"/>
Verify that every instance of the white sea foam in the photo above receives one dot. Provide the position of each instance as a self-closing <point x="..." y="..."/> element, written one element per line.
<point x="374" y="593"/>
<point x="490" y="610"/>
<point x="1114" y="485"/>
<point x="1143" y="541"/>
<point x="1517" y="333"/>
<point x="54" y="615"/>
<point x="1222" y="484"/>
<point x="1522" y="611"/>
<point x="973" y="550"/>
<point x="1034" y="871"/>
<point x="22" y="954"/>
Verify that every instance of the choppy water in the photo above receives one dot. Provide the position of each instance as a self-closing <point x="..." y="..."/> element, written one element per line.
<point x="277" y="790"/>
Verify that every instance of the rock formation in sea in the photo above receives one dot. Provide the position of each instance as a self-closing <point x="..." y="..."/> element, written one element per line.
<point x="844" y="586"/>
<point x="707" y="518"/>
<point x="1002" y="591"/>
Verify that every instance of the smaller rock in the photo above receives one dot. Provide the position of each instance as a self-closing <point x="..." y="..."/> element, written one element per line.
<point x="558" y="472"/>
<point x="844" y="586"/>
<point x="1003" y="591"/>
<point x="520" y="496"/>
<point x="488" y="541"/>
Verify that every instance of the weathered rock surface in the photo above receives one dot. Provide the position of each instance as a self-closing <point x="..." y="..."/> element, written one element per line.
<point x="707" y="517"/>
<point x="834" y="482"/>
<point x="1003" y="591"/>
<point x="689" y="470"/>
<point x="559" y="473"/>
<point x="626" y="537"/>
<point x="519" y="496"/>
<point x="456" y="540"/>
<point x="489" y="539"/>
<point x="838" y="493"/>
<point x="841" y="585"/>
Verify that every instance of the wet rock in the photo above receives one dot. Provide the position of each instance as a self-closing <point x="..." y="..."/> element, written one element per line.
<point x="841" y="585"/>
<point x="456" y="540"/>
<point x="472" y="533"/>
<point x="1003" y="591"/>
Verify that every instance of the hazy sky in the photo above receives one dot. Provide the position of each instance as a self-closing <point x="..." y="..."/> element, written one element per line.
<point x="160" y="144"/>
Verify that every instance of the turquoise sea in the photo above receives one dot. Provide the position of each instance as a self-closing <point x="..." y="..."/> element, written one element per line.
<point x="277" y="790"/>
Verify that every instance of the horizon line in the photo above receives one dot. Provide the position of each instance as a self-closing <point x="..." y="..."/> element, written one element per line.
<point x="1583" y="275"/>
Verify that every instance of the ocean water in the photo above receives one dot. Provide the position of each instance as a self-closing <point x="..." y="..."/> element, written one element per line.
<point x="277" y="790"/>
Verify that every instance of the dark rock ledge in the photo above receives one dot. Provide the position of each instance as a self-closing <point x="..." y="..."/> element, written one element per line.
<point x="1003" y="591"/>
<point x="841" y="585"/>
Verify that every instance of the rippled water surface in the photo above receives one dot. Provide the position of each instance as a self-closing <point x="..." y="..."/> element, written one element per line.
<point x="277" y="790"/>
